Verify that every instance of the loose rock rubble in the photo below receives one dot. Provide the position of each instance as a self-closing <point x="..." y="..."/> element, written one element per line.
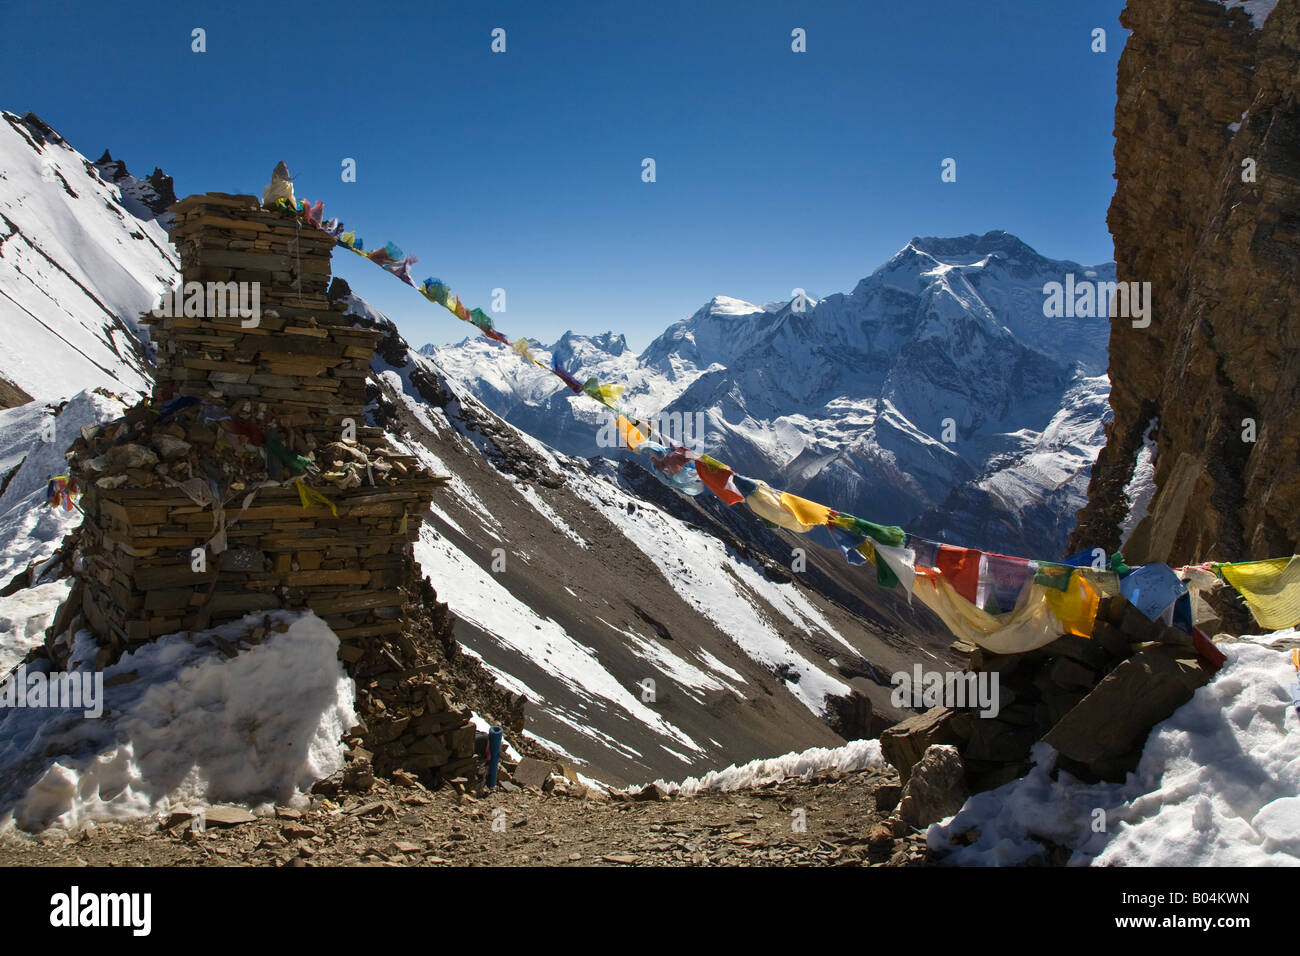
<point x="830" y="820"/>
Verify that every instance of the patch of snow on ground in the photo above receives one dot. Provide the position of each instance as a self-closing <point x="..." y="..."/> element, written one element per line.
<point x="459" y="487"/>
<point x="546" y="511"/>
<point x="1218" y="785"/>
<point x="29" y="529"/>
<point x="1257" y="9"/>
<point x="551" y="745"/>
<point x="855" y="755"/>
<point x="717" y="666"/>
<point x="24" y="616"/>
<point x="791" y="602"/>
<point x="188" y="726"/>
<point x="681" y="671"/>
<point x="76" y="271"/>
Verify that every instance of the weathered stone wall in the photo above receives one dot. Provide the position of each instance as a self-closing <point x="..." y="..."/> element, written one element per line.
<point x="1222" y="256"/>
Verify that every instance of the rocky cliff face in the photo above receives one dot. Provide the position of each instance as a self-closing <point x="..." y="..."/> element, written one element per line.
<point x="1206" y="94"/>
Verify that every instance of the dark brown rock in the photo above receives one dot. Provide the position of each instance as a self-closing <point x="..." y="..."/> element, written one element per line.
<point x="532" y="772"/>
<point x="1105" y="732"/>
<point x="903" y="744"/>
<point x="1071" y="675"/>
<point x="1112" y="640"/>
<point x="1081" y="650"/>
<point x="887" y="796"/>
<point x="996" y="741"/>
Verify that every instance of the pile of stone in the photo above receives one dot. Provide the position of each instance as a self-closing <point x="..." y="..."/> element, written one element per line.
<point x="168" y="543"/>
<point x="250" y="482"/>
<point x="297" y="353"/>
<point x="1094" y="700"/>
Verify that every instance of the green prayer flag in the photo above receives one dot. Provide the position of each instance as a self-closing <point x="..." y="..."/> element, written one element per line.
<point x="1053" y="575"/>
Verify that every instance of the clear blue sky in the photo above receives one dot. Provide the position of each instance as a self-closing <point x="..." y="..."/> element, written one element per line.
<point x="522" y="170"/>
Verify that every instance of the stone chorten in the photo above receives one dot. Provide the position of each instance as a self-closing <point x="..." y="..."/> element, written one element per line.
<point x="251" y="483"/>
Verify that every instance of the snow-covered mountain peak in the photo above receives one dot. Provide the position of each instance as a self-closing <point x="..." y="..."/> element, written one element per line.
<point x="854" y="398"/>
<point x="724" y="305"/>
<point x="969" y="249"/>
<point x="145" y="198"/>
<point x="573" y="346"/>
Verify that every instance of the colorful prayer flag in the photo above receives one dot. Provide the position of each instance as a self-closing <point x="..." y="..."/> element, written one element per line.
<point x="1270" y="588"/>
<point x="885" y="534"/>
<point x="1001" y="581"/>
<point x="607" y="395"/>
<point x="719" y="479"/>
<point x="310" y="496"/>
<point x="766" y="502"/>
<point x="628" y="433"/>
<point x="1076" y="606"/>
<point x="960" y="567"/>
<point x="808" y="513"/>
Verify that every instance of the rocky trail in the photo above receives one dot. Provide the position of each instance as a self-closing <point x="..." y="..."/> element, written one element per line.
<point x="833" y="819"/>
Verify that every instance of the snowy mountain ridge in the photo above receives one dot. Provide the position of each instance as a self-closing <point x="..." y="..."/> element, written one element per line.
<point x="77" y="266"/>
<point x="935" y="395"/>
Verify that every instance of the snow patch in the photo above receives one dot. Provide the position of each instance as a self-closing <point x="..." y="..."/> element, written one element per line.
<point x="24" y="616"/>
<point x="188" y="726"/>
<point x="1142" y="486"/>
<point x="855" y="755"/>
<point x="1218" y="785"/>
<point x="475" y="596"/>
<point x="1258" y="10"/>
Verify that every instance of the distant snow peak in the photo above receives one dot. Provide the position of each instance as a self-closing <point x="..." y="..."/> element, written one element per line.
<point x="726" y="305"/>
<point x="573" y="345"/>
<point x="843" y="398"/>
<point x="964" y="250"/>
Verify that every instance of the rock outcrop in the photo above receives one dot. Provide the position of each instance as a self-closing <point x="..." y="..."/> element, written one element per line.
<point x="1206" y="209"/>
<point x="1094" y="700"/>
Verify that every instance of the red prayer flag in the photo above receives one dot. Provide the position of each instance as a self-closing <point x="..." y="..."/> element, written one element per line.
<point x="1206" y="651"/>
<point x="960" y="568"/>
<point x="673" y="462"/>
<point x="718" y="480"/>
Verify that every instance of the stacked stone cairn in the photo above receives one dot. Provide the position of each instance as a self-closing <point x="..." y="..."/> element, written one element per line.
<point x="250" y="483"/>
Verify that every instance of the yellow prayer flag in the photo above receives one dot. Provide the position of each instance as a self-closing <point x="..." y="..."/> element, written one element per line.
<point x="1076" y="606"/>
<point x="767" y="503"/>
<point x="522" y="347"/>
<point x="808" y="512"/>
<point x="630" y="434"/>
<point x="610" y="393"/>
<point x="1030" y="626"/>
<point x="1271" y="588"/>
<point x="310" y="496"/>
